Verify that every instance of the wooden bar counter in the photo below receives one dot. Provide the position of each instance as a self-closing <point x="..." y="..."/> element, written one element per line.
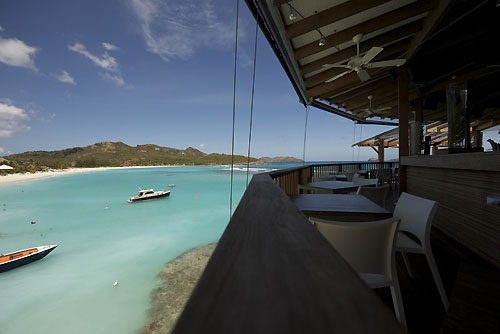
<point x="461" y="184"/>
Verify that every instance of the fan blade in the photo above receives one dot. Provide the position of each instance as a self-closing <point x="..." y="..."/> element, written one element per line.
<point x="338" y="76"/>
<point x="372" y="53"/>
<point x="334" y="65"/>
<point x="383" y="109"/>
<point x="386" y="63"/>
<point x="363" y="75"/>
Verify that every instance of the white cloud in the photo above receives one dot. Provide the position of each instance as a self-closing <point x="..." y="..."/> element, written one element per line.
<point x="14" y="52"/>
<point x="105" y="61"/>
<point x="178" y="28"/>
<point x="2" y="150"/>
<point x="202" y="145"/>
<point x="2" y="29"/>
<point x="109" y="47"/>
<point x="11" y="118"/>
<point x="114" y="78"/>
<point x="65" y="77"/>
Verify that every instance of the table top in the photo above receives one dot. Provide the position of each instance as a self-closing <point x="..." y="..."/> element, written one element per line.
<point x="337" y="203"/>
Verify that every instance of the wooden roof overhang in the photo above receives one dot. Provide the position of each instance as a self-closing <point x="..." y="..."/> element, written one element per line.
<point x="437" y="130"/>
<point x="424" y="32"/>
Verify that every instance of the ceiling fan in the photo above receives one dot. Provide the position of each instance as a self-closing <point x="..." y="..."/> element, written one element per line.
<point x="358" y="64"/>
<point x="370" y="111"/>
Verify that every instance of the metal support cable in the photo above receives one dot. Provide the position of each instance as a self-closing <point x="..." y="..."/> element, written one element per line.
<point x="360" y="134"/>
<point x="234" y="109"/>
<point x="253" y="91"/>
<point x="353" y="139"/>
<point x="305" y="136"/>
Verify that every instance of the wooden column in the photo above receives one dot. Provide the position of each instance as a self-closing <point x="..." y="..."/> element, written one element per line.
<point x="381" y="150"/>
<point x="403" y="108"/>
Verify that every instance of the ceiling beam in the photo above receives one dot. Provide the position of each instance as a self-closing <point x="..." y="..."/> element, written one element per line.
<point x="430" y="22"/>
<point x="278" y="3"/>
<point x="332" y="93"/>
<point x="329" y="16"/>
<point x="339" y="112"/>
<point x="471" y="74"/>
<point x="366" y="27"/>
<point x="376" y="101"/>
<point x="380" y="40"/>
<point x="364" y="90"/>
<point x="325" y="75"/>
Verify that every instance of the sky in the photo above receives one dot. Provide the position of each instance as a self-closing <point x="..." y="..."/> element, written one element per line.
<point x="73" y="73"/>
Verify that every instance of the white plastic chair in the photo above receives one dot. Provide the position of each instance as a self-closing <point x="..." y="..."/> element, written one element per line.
<point x="369" y="247"/>
<point x="416" y="215"/>
<point x="377" y="195"/>
<point x="351" y="175"/>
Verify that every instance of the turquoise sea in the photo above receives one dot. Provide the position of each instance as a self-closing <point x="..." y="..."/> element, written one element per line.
<point x="103" y="239"/>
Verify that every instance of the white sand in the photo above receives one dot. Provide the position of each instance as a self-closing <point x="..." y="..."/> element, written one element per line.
<point x="24" y="177"/>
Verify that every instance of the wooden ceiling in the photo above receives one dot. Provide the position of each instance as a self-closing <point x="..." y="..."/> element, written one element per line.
<point x="442" y="40"/>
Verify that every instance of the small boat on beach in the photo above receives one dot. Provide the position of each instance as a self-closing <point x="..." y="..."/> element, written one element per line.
<point x="149" y="194"/>
<point x="16" y="259"/>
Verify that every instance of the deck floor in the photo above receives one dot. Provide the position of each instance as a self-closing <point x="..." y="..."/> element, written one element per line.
<point x="472" y="285"/>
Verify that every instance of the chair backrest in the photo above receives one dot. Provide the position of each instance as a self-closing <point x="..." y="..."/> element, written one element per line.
<point x="416" y="215"/>
<point x="375" y="194"/>
<point x="367" y="246"/>
<point x="350" y="175"/>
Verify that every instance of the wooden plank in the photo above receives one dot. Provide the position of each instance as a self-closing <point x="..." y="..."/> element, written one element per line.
<point x="487" y="161"/>
<point x="273" y="272"/>
<point x="365" y="89"/>
<point x="430" y="22"/>
<point x="381" y="40"/>
<point x="461" y="193"/>
<point x="374" y="24"/>
<point x="330" y="15"/>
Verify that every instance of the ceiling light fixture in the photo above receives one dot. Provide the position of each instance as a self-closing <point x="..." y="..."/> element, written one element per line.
<point x="322" y="41"/>
<point x="292" y="16"/>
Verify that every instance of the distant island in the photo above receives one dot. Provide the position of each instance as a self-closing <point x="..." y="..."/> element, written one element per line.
<point x="280" y="159"/>
<point x="118" y="154"/>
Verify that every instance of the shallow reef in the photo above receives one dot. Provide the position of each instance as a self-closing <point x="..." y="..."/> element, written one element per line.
<point x="177" y="280"/>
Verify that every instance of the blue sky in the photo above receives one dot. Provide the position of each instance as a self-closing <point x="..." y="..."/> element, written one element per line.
<point x="73" y="73"/>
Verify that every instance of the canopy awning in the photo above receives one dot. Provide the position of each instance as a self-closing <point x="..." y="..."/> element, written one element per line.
<point x="6" y="167"/>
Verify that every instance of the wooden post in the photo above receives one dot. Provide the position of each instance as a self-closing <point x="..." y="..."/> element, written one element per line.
<point x="403" y="108"/>
<point x="381" y="150"/>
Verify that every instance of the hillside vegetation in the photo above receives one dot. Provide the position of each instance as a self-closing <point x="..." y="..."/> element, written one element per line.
<point x="114" y="154"/>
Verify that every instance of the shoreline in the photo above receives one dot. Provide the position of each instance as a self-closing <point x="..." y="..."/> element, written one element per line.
<point x="10" y="179"/>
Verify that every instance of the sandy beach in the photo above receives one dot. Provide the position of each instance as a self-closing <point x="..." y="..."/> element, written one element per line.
<point x="25" y="177"/>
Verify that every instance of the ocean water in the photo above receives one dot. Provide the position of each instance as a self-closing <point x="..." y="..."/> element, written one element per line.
<point x="103" y="239"/>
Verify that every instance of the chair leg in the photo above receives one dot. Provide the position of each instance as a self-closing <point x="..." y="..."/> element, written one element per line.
<point x="437" y="278"/>
<point x="407" y="264"/>
<point x="397" y="300"/>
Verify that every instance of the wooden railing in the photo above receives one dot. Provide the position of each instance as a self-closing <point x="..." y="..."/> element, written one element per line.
<point x="288" y="179"/>
<point x="273" y="272"/>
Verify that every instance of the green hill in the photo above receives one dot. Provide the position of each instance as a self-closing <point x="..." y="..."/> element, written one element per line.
<point x="113" y="154"/>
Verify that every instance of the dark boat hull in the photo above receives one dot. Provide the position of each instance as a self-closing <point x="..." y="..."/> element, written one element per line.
<point x="151" y="197"/>
<point x="25" y="260"/>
